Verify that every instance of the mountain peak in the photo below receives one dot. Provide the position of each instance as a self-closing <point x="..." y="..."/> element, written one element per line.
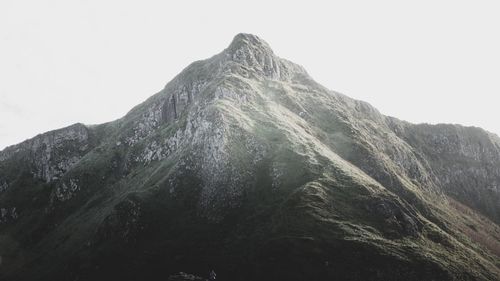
<point x="245" y="40"/>
<point x="254" y="54"/>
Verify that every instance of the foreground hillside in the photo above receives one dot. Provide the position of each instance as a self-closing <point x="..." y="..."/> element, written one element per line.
<point x="245" y="165"/>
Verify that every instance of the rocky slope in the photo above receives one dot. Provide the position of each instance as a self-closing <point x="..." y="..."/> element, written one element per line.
<point x="461" y="158"/>
<point x="244" y="164"/>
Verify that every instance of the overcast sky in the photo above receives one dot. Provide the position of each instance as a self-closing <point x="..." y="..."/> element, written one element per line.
<point x="71" y="61"/>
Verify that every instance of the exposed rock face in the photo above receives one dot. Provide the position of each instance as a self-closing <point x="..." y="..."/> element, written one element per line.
<point x="8" y="214"/>
<point x="465" y="160"/>
<point x="252" y="57"/>
<point x="244" y="163"/>
<point x="3" y="186"/>
<point x="66" y="191"/>
<point x="53" y="153"/>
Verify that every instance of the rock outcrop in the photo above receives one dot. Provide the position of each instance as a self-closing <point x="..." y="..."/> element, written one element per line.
<point x="465" y="161"/>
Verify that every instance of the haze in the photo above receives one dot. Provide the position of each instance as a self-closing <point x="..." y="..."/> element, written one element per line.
<point x="63" y="62"/>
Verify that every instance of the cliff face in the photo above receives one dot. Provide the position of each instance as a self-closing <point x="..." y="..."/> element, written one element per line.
<point x="244" y="164"/>
<point x="51" y="154"/>
<point x="465" y="160"/>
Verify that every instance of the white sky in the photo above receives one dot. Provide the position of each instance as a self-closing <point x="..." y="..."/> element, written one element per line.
<point x="71" y="61"/>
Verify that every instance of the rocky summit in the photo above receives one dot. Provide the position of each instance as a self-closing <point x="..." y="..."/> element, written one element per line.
<point x="246" y="166"/>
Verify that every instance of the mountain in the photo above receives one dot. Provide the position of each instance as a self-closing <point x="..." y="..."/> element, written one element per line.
<point x="245" y="165"/>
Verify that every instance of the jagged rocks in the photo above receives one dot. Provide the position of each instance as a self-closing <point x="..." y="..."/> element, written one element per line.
<point x="65" y="191"/>
<point x="8" y="215"/>
<point x="465" y="161"/>
<point x="49" y="161"/>
<point x="52" y="154"/>
<point x="3" y="186"/>
<point x="252" y="52"/>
